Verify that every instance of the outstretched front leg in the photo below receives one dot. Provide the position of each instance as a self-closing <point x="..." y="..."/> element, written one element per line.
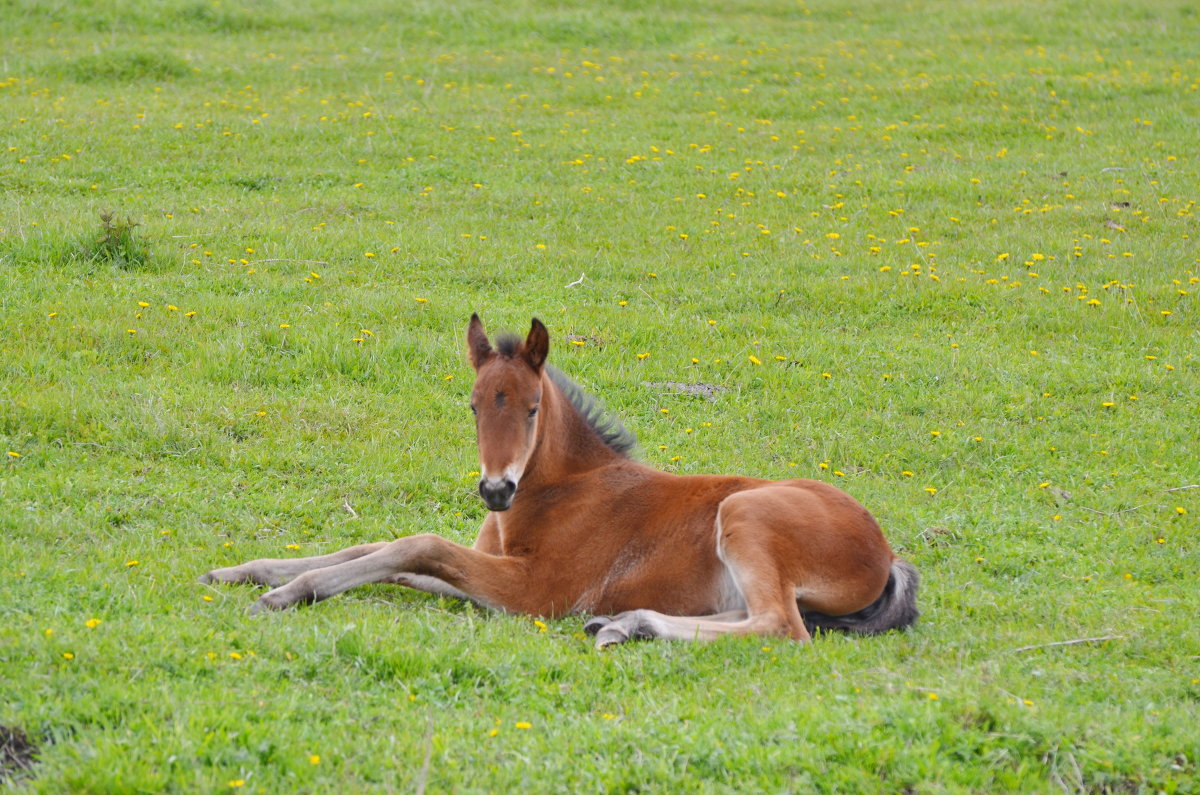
<point x="274" y="572"/>
<point x="423" y="561"/>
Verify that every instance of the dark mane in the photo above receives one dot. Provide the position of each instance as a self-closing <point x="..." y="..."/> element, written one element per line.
<point x="508" y="344"/>
<point x="606" y="424"/>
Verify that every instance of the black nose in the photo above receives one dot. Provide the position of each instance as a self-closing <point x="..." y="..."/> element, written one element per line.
<point x="497" y="494"/>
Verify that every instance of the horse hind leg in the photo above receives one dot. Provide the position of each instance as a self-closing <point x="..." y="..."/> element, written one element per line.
<point x="745" y="547"/>
<point x="648" y="624"/>
<point x="770" y="611"/>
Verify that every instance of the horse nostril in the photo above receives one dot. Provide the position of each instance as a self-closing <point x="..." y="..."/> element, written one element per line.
<point x="498" y="493"/>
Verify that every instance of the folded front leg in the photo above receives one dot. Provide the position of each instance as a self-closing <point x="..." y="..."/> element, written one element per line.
<point x="491" y="580"/>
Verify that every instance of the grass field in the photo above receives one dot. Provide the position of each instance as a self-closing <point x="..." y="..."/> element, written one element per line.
<point x="943" y="255"/>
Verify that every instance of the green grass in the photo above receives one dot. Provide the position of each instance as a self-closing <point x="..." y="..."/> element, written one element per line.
<point x="959" y="239"/>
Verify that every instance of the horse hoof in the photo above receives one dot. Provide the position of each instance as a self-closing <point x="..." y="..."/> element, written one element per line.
<point x="595" y="624"/>
<point x="262" y="606"/>
<point x="610" y="636"/>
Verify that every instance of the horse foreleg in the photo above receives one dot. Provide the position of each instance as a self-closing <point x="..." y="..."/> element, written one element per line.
<point x="274" y="572"/>
<point x="426" y="562"/>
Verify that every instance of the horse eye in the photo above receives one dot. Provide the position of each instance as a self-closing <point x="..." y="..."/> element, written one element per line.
<point x="473" y="409"/>
<point x="533" y="411"/>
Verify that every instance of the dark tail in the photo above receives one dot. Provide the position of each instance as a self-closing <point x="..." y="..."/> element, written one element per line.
<point x="895" y="608"/>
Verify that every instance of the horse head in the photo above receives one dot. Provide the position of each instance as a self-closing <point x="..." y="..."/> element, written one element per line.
<point x="505" y="401"/>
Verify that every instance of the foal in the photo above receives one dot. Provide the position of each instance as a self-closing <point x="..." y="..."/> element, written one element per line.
<point x="576" y="526"/>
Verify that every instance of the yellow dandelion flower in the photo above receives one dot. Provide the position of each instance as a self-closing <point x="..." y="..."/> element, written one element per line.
<point x="755" y="360"/>
<point x="930" y="490"/>
<point x="68" y="655"/>
<point x="92" y="623"/>
<point x="13" y="454"/>
<point x="314" y="759"/>
<point x="642" y="356"/>
<point x="523" y="724"/>
<point x="1179" y="509"/>
<point x="130" y="563"/>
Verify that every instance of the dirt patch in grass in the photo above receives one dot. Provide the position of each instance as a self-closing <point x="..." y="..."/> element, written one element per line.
<point x="707" y="391"/>
<point x="17" y="752"/>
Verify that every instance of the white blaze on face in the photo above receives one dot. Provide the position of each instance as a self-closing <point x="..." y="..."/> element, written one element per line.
<point x="511" y="474"/>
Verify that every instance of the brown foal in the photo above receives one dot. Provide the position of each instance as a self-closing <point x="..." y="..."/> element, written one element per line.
<point x="576" y="526"/>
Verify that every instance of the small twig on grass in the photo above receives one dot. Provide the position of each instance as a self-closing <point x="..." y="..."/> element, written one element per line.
<point x="1114" y="513"/>
<point x="1071" y="642"/>
<point x="423" y="776"/>
<point x="578" y="281"/>
<point x="281" y="259"/>
<point x="656" y="304"/>
<point x="349" y="508"/>
<point x="1184" y="488"/>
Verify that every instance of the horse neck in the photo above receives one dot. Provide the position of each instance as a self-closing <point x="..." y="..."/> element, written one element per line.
<point x="565" y="443"/>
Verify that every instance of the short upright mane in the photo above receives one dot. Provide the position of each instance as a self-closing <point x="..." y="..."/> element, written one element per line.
<point x="607" y="426"/>
<point x="508" y="344"/>
<point x="604" y="423"/>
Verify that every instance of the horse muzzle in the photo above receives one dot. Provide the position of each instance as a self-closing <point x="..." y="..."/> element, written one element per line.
<point x="497" y="493"/>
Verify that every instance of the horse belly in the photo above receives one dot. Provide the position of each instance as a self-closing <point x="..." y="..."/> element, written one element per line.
<point x="678" y="584"/>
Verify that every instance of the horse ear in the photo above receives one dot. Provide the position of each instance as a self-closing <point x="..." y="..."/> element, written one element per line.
<point x="477" y="343"/>
<point x="537" y="345"/>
